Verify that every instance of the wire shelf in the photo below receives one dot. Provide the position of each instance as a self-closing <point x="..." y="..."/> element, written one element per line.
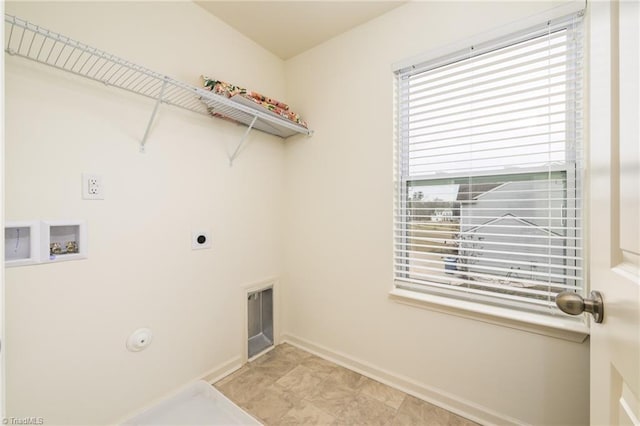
<point x="32" y="42"/>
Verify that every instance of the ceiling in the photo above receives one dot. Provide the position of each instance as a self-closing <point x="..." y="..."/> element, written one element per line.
<point x="287" y="28"/>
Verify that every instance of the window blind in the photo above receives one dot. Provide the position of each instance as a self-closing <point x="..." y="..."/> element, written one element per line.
<point x="489" y="191"/>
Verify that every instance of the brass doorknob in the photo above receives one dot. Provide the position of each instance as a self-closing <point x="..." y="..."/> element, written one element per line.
<point x="573" y="304"/>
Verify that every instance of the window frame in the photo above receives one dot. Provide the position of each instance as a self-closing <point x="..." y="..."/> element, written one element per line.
<point x="451" y="301"/>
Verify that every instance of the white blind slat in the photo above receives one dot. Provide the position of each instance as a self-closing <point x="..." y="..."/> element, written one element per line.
<point x="403" y="256"/>
<point x="415" y="253"/>
<point x="520" y="112"/>
<point x="541" y="68"/>
<point x="469" y="287"/>
<point x="536" y="271"/>
<point x="516" y="284"/>
<point x="518" y="50"/>
<point x="492" y="94"/>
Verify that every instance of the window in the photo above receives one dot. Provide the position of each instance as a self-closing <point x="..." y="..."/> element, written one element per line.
<point x="489" y="192"/>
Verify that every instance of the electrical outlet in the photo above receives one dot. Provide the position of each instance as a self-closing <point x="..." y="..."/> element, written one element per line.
<point x="92" y="188"/>
<point x="200" y="240"/>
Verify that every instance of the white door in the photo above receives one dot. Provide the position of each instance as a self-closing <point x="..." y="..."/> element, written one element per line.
<point x="614" y="209"/>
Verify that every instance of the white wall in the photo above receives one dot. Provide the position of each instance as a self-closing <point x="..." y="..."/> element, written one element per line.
<point x="338" y="244"/>
<point x="67" y="323"/>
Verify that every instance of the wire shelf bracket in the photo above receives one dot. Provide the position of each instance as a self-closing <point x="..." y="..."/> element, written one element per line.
<point x="32" y="42"/>
<point x="153" y="116"/>
<point x="243" y="139"/>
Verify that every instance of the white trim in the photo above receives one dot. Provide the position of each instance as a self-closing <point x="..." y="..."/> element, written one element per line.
<point x="450" y="402"/>
<point x="482" y="173"/>
<point x="558" y="327"/>
<point x="565" y="9"/>
<point x="222" y="370"/>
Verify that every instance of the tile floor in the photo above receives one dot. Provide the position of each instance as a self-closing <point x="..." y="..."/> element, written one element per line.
<point x="288" y="386"/>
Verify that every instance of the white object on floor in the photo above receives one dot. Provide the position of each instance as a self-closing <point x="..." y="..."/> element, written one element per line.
<point x="198" y="404"/>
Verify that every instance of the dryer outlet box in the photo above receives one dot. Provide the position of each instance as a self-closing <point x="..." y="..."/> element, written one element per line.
<point x="200" y="240"/>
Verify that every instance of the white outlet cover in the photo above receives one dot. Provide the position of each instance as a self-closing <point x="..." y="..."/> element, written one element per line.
<point x="92" y="187"/>
<point x="200" y="239"/>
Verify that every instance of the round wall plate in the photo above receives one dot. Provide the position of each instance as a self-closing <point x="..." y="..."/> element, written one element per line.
<point x="139" y="339"/>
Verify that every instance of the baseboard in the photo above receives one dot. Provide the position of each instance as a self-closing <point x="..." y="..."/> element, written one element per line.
<point x="464" y="408"/>
<point x="222" y="370"/>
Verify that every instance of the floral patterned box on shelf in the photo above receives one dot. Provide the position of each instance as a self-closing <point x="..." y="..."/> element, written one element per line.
<point x="251" y="99"/>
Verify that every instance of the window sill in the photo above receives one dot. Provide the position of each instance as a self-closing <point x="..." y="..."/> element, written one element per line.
<point x="570" y="329"/>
